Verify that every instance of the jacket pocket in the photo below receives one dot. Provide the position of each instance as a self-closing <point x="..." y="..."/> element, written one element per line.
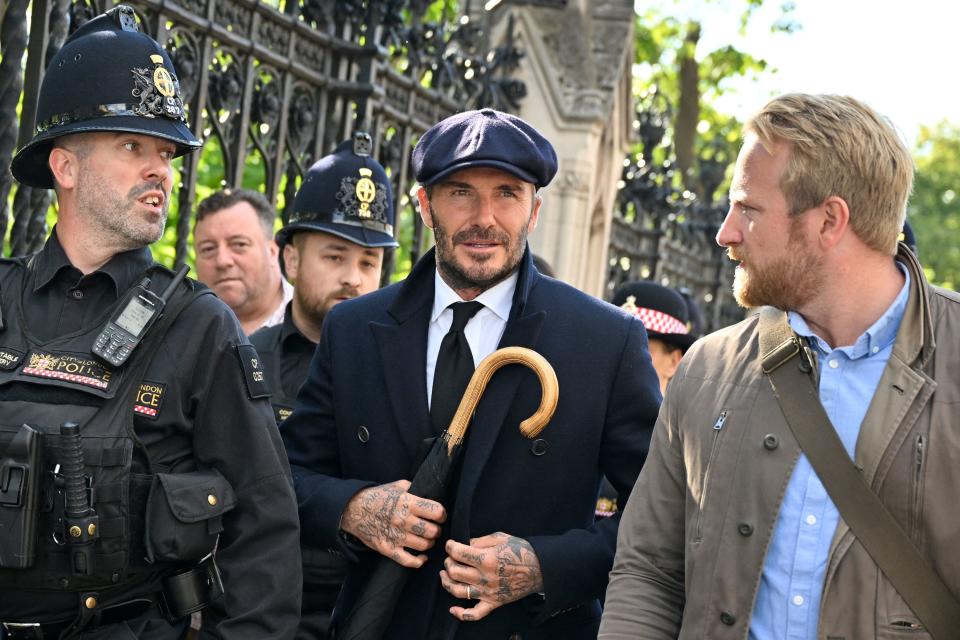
<point x="185" y="515"/>
<point x="714" y="447"/>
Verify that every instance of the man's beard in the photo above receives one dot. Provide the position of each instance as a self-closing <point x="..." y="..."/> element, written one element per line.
<point x="787" y="283"/>
<point x="460" y="277"/>
<point x="113" y="214"/>
<point x="317" y="310"/>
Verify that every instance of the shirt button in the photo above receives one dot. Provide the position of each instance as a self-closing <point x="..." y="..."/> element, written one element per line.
<point x="811" y="519"/>
<point x="834" y="364"/>
<point x="798" y="600"/>
<point x="77" y="294"/>
<point x="875" y="349"/>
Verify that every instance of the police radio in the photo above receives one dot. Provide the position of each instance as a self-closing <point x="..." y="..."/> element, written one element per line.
<point x="124" y="331"/>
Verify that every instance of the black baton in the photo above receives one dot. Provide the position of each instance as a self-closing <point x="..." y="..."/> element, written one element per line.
<point x="81" y="523"/>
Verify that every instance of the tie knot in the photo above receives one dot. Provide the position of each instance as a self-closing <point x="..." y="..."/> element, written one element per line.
<point x="462" y="312"/>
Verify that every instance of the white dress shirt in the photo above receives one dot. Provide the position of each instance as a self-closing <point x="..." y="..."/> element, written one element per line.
<point x="483" y="331"/>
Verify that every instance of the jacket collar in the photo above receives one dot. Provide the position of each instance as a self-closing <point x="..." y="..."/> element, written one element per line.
<point x="915" y="340"/>
<point x="122" y="269"/>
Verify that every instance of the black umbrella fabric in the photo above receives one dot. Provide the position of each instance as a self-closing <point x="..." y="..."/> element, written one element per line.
<point x="374" y="608"/>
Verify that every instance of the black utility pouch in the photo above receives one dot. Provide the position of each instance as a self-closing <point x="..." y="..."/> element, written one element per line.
<point x="20" y="475"/>
<point x="185" y="515"/>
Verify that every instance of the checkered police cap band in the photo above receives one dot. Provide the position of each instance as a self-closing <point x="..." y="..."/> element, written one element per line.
<point x="660" y="322"/>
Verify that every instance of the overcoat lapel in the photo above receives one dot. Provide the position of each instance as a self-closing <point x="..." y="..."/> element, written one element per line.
<point x="402" y="344"/>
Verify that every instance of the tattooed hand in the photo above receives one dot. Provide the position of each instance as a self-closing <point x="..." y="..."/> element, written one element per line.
<point x="496" y="569"/>
<point x="390" y="521"/>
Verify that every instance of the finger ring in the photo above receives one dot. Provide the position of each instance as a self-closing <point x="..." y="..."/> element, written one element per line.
<point x="470" y="595"/>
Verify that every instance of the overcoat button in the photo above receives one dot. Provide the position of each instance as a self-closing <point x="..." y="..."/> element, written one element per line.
<point x="770" y="442"/>
<point x="539" y="447"/>
<point x="745" y="529"/>
<point x="363" y="434"/>
<point x="728" y="618"/>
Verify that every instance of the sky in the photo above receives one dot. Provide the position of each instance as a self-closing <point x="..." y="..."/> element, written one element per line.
<point x="900" y="57"/>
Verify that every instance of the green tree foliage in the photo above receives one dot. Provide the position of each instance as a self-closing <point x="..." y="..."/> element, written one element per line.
<point x="934" y="211"/>
<point x="672" y="69"/>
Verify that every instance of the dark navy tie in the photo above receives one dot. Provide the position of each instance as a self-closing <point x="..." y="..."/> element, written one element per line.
<point x="454" y="367"/>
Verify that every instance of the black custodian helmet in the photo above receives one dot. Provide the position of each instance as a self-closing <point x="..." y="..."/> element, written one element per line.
<point x="347" y="194"/>
<point x="107" y="77"/>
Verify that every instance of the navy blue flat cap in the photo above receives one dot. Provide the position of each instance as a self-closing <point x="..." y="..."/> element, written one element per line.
<point x="484" y="138"/>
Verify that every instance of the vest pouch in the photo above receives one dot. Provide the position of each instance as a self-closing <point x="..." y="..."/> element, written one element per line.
<point x="20" y="474"/>
<point x="185" y="515"/>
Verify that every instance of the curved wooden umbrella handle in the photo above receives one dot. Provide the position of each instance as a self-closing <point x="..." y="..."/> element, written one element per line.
<point x="549" y="391"/>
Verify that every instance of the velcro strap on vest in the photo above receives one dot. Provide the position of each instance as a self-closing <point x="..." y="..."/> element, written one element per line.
<point x="110" y="492"/>
<point x="112" y="527"/>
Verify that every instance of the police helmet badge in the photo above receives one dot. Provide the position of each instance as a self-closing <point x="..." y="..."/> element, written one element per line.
<point x="158" y="91"/>
<point x="366" y="191"/>
<point x="359" y="198"/>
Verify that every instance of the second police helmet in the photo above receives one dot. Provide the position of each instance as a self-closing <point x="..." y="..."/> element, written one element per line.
<point x="107" y="76"/>
<point x="346" y="194"/>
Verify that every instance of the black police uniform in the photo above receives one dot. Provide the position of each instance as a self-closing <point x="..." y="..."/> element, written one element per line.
<point x="176" y="449"/>
<point x="285" y="355"/>
<point x="196" y="404"/>
<point x="331" y="199"/>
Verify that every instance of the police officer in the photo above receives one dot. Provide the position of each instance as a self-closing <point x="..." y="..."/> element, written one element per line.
<point x="332" y="250"/>
<point x="108" y="523"/>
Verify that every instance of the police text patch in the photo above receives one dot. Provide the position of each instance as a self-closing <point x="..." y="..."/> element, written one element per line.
<point x="149" y="398"/>
<point x="67" y="368"/>
<point x="281" y="413"/>
<point x="9" y="358"/>
<point x="253" y="374"/>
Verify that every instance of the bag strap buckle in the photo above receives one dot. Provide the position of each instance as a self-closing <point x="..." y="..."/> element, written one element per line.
<point x="781" y="354"/>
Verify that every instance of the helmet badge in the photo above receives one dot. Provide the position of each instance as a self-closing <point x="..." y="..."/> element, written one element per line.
<point x="366" y="191"/>
<point x="161" y="78"/>
<point x="158" y="92"/>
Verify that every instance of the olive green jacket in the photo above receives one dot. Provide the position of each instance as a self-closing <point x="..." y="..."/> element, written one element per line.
<point x="695" y="531"/>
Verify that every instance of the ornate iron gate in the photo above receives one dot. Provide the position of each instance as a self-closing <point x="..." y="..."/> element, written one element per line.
<point x="663" y="233"/>
<point x="272" y="88"/>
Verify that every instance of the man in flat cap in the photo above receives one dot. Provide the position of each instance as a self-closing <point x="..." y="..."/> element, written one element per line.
<point x="113" y="526"/>
<point x="517" y="552"/>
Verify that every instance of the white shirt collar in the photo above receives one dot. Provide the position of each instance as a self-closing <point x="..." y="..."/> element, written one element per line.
<point x="498" y="298"/>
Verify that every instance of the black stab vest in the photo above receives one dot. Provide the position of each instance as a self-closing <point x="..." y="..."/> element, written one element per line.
<point x="44" y="383"/>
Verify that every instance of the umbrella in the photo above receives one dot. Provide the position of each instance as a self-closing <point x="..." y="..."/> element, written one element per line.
<point x="374" y="608"/>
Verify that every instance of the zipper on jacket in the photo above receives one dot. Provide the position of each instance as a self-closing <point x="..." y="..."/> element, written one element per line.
<point x="919" y="451"/>
<point x="717" y="427"/>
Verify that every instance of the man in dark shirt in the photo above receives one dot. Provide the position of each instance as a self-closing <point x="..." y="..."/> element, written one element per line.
<point x="332" y="250"/>
<point x="181" y="455"/>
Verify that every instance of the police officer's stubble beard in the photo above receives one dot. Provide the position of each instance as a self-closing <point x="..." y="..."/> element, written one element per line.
<point x="317" y="310"/>
<point x="458" y="276"/>
<point x="114" y="216"/>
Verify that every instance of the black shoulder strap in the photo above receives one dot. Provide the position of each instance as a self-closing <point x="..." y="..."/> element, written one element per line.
<point x="880" y="534"/>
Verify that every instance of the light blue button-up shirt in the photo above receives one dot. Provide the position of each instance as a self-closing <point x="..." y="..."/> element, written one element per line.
<point x="788" y="601"/>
